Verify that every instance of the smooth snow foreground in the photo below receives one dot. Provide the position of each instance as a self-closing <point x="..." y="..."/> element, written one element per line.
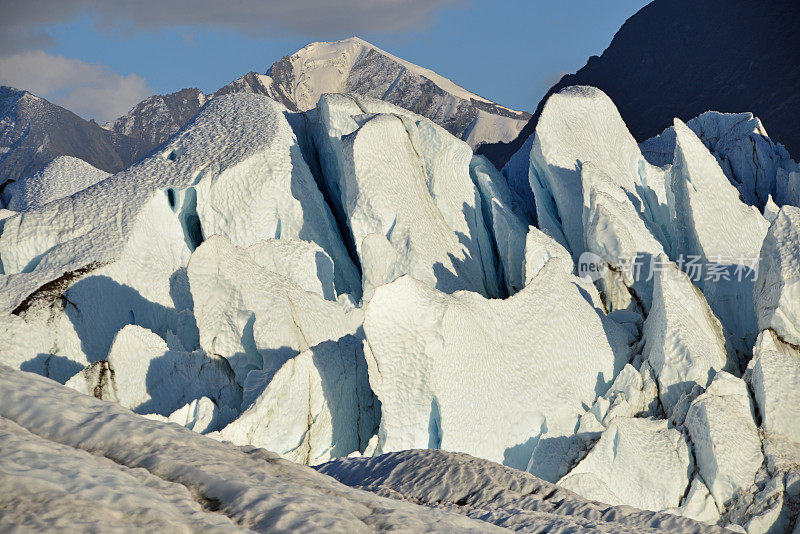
<point x="354" y="281"/>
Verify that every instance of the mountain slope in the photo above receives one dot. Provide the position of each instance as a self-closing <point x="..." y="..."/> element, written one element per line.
<point x="34" y="131"/>
<point x="679" y="58"/>
<point x="349" y="66"/>
<point x="155" y="118"/>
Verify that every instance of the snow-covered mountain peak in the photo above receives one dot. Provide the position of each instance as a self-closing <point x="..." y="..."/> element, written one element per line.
<point x="356" y="66"/>
<point x="325" y="67"/>
<point x="348" y="66"/>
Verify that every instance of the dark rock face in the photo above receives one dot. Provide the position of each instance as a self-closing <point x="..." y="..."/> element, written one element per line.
<point x="679" y="58"/>
<point x="378" y="76"/>
<point x="252" y="82"/>
<point x="155" y="119"/>
<point x="34" y="131"/>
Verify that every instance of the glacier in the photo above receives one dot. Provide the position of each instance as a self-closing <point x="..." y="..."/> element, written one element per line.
<point x="753" y="163"/>
<point x="101" y="466"/>
<point x="60" y="178"/>
<point x="434" y="358"/>
<point x="350" y="287"/>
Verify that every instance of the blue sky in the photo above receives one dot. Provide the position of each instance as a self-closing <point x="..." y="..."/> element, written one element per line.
<point x="100" y="63"/>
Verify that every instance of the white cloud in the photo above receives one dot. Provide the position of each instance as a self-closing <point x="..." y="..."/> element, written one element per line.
<point x="95" y="91"/>
<point x="91" y="91"/>
<point x="312" y="18"/>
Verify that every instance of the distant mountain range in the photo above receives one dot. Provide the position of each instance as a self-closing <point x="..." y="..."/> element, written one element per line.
<point x="679" y="58"/>
<point x="661" y="64"/>
<point x="34" y="131"/>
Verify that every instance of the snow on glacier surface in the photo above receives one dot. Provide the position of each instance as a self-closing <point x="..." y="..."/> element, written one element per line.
<point x="506" y="497"/>
<point x="60" y="178"/>
<point x="102" y="467"/>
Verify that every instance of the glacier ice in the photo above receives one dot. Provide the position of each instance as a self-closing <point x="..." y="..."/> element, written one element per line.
<point x="632" y="393"/>
<point x="684" y="343"/>
<point x="99" y="465"/>
<point x="725" y="440"/>
<point x="774" y="373"/>
<point x="392" y="173"/>
<point x="595" y="193"/>
<point x="516" y="173"/>
<point x="253" y="317"/>
<point x="698" y="504"/>
<point x="147" y="377"/>
<point x="303" y="262"/>
<point x="353" y="280"/>
<point x="442" y="364"/>
<point x="201" y="415"/>
<point x="614" y="231"/>
<point x="238" y="140"/>
<point x="317" y="406"/>
<point x="84" y="491"/>
<point x="512" y="499"/>
<point x="503" y="217"/>
<point x="42" y="342"/>
<point x="273" y="195"/>
<point x="771" y="210"/>
<point x="638" y="462"/>
<point x="578" y="125"/>
<point x="541" y="248"/>
<point x="715" y="226"/>
<point x="751" y="161"/>
<point x="60" y="178"/>
<point x="581" y="127"/>
<point x="777" y="288"/>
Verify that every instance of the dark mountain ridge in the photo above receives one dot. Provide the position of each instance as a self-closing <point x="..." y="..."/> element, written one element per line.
<point x="679" y="58"/>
